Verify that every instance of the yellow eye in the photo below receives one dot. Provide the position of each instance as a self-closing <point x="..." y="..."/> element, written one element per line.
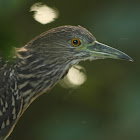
<point x="75" y="42"/>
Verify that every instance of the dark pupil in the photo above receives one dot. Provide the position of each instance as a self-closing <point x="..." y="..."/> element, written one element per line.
<point x="75" y="42"/>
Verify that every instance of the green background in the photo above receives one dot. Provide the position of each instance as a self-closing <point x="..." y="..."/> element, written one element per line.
<point x="107" y="105"/>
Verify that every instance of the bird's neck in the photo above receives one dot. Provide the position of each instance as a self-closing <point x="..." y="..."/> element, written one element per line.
<point x="37" y="75"/>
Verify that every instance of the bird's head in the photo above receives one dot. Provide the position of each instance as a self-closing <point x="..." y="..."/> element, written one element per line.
<point x="64" y="46"/>
<point x="75" y="43"/>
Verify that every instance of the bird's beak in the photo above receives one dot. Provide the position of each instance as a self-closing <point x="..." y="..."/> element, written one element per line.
<point x="101" y="50"/>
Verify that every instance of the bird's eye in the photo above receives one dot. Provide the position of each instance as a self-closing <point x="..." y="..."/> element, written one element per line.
<point x="75" y="42"/>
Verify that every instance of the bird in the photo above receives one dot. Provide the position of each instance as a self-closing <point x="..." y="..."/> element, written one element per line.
<point x="39" y="65"/>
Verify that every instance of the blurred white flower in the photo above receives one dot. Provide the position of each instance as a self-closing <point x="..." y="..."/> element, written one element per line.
<point x="75" y="77"/>
<point x="44" y="14"/>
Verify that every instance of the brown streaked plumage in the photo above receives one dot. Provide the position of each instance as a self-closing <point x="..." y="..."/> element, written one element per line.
<point x="40" y="64"/>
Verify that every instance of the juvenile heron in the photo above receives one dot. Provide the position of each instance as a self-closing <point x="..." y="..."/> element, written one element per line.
<point x="40" y="64"/>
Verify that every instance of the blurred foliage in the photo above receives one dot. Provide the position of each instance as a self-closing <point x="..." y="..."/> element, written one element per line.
<point x="106" y="107"/>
